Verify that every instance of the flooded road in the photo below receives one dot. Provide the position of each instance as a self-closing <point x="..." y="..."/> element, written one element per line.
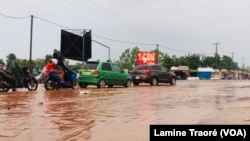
<point x="119" y="113"/>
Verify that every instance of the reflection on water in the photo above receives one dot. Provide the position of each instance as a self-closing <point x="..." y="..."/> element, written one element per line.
<point x="68" y="114"/>
<point x="119" y="113"/>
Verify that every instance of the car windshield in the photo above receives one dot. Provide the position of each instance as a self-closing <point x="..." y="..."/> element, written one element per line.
<point x="90" y="65"/>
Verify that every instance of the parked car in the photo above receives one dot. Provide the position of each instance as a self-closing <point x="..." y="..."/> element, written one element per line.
<point x="152" y="74"/>
<point x="103" y="74"/>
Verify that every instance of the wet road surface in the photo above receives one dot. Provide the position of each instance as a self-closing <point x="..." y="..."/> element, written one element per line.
<point x="119" y="113"/>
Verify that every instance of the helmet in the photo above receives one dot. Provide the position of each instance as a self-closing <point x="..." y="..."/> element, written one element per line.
<point x="12" y="56"/>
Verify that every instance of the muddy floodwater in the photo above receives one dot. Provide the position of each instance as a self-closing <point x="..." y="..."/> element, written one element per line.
<point x="118" y="113"/>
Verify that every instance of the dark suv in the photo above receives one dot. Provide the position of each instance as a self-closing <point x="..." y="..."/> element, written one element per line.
<point x="152" y="74"/>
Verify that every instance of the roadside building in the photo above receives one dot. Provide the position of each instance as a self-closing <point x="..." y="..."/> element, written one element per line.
<point x="205" y="73"/>
<point x="182" y="72"/>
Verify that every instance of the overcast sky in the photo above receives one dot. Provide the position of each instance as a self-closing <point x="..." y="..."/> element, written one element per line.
<point x="180" y="27"/>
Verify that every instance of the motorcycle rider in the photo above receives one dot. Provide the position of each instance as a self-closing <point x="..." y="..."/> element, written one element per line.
<point x="60" y="59"/>
<point x="49" y="66"/>
<point x="59" y="72"/>
<point x="15" y="71"/>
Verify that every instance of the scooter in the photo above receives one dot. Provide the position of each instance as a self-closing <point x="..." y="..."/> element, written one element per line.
<point x="53" y="82"/>
<point x="7" y="81"/>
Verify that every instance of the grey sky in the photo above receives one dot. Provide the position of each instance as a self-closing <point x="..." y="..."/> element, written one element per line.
<point x="179" y="26"/>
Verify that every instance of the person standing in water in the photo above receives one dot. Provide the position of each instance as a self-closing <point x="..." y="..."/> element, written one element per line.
<point x="15" y="71"/>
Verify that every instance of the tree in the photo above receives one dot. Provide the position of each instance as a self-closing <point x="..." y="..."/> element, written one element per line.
<point x="193" y="61"/>
<point x="167" y="61"/>
<point x="39" y="64"/>
<point x="208" y="61"/>
<point x="128" y="58"/>
<point x="226" y="62"/>
<point x="47" y="57"/>
<point x="183" y="61"/>
<point x="160" y="55"/>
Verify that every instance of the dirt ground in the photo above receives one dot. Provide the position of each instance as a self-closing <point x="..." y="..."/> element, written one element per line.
<point x="118" y="113"/>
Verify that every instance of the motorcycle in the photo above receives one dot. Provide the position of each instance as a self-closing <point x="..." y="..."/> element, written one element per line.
<point x="53" y="82"/>
<point x="7" y="81"/>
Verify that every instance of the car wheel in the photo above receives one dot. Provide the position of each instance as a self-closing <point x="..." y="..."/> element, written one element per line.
<point x="83" y="85"/>
<point x="101" y="83"/>
<point x="173" y="81"/>
<point x="75" y="85"/>
<point x="135" y="83"/>
<point x="154" y="81"/>
<point x="110" y="86"/>
<point x="128" y="83"/>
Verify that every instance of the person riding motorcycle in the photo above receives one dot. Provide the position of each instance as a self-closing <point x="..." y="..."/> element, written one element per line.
<point x="60" y="59"/>
<point x="60" y="76"/>
<point x="15" y="71"/>
<point x="58" y="72"/>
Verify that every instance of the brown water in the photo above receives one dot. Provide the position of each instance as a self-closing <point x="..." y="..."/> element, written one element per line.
<point x="122" y="114"/>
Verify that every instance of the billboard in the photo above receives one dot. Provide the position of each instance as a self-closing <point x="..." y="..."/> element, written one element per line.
<point x="76" y="47"/>
<point x="87" y="45"/>
<point x="145" y="58"/>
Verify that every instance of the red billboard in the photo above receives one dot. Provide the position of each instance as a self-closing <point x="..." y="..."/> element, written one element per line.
<point x="146" y="58"/>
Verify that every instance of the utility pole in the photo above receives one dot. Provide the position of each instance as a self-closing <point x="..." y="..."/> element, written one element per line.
<point x="202" y="57"/>
<point x="216" y="53"/>
<point x="243" y="65"/>
<point x="216" y="48"/>
<point x="31" y="35"/>
<point x="232" y="60"/>
<point x="157" y="53"/>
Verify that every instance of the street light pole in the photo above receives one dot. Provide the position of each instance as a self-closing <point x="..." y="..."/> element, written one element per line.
<point x="104" y="46"/>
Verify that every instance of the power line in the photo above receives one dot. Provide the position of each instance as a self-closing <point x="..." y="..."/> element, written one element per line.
<point x="113" y="40"/>
<point x="134" y="43"/>
<point x="6" y="16"/>
<point x="50" y="22"/>
<point x="104" y="11"/>
<point x="125" y="42"/>
<point x="11" y="17"/>
<point x="110" y="12"/>
<point x="104" y="46"/>
<point x="174" y="49"/>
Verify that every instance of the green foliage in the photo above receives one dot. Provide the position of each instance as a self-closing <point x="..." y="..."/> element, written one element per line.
<point x="128" y="58"/>
<point x="193" y="61"/>
<point x="167" y="61"/>
<point x="76" y="66"/>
